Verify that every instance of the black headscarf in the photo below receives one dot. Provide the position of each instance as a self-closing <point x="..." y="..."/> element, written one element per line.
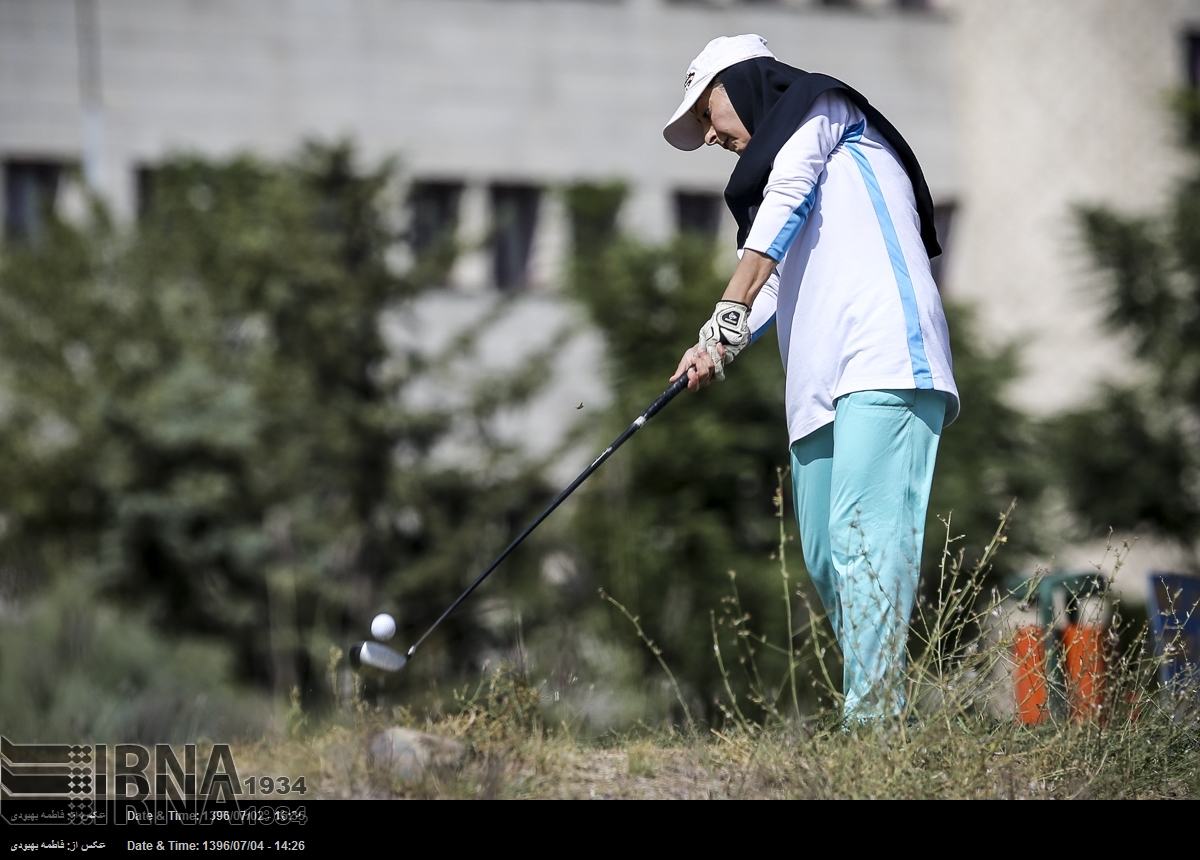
<point x="771" y="98"/>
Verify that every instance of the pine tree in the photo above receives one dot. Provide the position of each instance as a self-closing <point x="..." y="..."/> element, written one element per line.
<point x="691" y="498"/>
<point x="1132" y="458"/>
<point x="202" y="419"/>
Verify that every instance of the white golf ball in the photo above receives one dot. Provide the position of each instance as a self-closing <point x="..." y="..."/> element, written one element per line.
<point x="383" y="627"/>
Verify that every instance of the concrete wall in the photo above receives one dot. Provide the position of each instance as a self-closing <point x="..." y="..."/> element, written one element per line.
<point x="529" y="91"/>
<point x="1017" y="108"/>
<point x="1059" y="103"/>
<point x="526" y="90"/>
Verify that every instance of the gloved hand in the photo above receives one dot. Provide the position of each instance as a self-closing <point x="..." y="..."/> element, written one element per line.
<point x="729" y="325"/>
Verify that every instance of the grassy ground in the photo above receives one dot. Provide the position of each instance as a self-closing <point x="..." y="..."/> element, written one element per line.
<point x="950" y="741"/>
<point x="511" y="755"/>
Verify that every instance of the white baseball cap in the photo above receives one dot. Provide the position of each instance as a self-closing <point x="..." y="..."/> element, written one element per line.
<point x="684" y="130"/>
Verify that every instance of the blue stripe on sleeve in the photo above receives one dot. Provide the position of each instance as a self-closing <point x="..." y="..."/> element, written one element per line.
<point x="762" y="329"/>
<point x="791" y="227"/>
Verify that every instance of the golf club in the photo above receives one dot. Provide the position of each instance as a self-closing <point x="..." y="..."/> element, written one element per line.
<point x="379" y="658"/>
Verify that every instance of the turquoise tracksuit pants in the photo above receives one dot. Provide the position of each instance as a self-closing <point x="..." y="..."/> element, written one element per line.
<point x="861" y="487"/>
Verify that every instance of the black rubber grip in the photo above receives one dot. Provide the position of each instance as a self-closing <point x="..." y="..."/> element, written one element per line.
<point x="667" y="396"/>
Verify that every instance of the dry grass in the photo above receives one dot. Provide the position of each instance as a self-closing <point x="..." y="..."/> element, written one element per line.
<point x="1142" y="752"/>
<point x="949" y="742"/>
<point x="978" y="758"/>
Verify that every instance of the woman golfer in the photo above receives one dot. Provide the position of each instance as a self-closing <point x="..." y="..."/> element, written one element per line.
<point x="835" y="232"/>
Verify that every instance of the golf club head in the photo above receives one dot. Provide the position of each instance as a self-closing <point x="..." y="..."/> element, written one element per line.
<point x="373" y="657"/>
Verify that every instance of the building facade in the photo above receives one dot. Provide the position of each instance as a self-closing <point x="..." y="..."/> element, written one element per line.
<point x="1058" y="104"/>
<point x="490" y="104"/>
<point x="1017" y="109"/>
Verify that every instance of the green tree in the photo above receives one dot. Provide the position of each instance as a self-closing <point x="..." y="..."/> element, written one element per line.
<point x="1131" y="459"/>
<point x="691" y="498"/>
<point x="202" y="419"/>
<point x="987" y="459"/>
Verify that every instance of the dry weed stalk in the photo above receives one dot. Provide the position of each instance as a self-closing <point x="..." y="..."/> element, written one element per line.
<point x="657" y="652"/>
<point x="949" y="740"/>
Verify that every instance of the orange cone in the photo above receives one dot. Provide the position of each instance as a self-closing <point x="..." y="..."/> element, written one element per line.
<point x="1029" y="653"/>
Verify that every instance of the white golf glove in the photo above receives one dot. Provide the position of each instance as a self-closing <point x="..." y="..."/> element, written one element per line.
<point x="729" y="325"/>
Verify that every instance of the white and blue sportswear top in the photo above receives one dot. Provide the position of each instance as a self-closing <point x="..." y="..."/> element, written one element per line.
<point x="852" y="294"/>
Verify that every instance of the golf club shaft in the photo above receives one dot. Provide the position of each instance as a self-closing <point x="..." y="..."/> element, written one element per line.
<point x="666" y="397"/>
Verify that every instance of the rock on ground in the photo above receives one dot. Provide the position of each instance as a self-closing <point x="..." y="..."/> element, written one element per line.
<point x="408" y="753"/>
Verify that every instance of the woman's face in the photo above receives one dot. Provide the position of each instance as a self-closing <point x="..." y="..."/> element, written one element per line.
<point x="722" y="126"/>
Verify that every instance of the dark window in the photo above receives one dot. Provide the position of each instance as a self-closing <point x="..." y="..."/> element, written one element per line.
<point x="1191" y="53"/>
<point x="514" y="217"/>
<point x="842" y="3"/>
<point x="1192" y="44"/>
<point x="913" y="4"/>
<point x="943" y="221"/>
<point x="30" y="189"/>
<point x="698" y="213"/>
<point x="145" y="179"/>
<point x="433" y="209"/>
